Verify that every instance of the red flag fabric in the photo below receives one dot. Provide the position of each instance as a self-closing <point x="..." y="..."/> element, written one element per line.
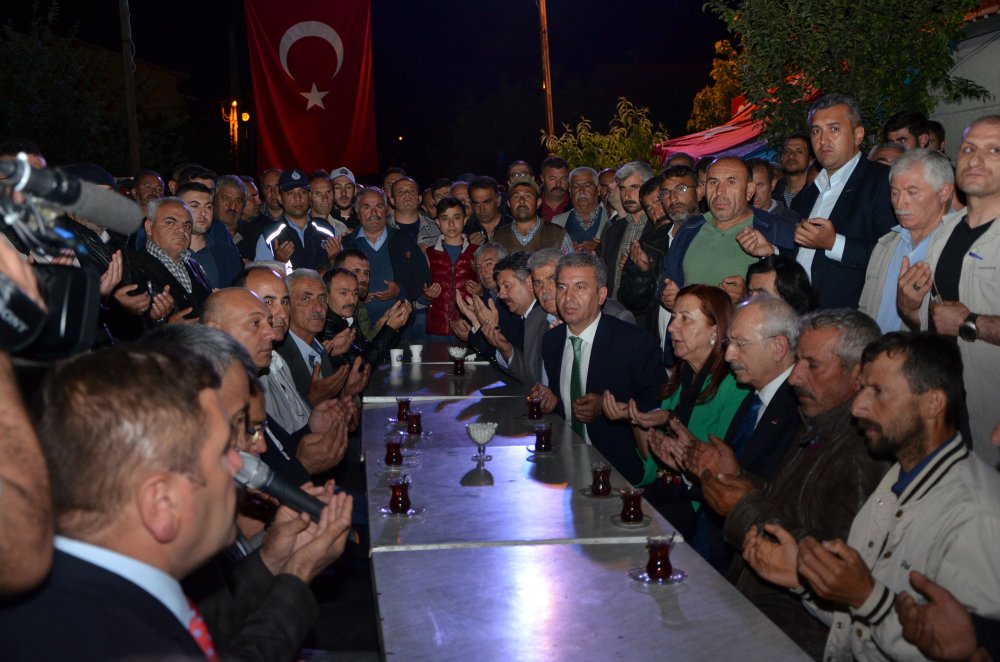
<point x="311" y="63"/>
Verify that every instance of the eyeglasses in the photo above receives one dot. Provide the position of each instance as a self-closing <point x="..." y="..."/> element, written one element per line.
<point x="740" y="344"/>
<point x="679" y="190"/>
<point x="257" y="432"/>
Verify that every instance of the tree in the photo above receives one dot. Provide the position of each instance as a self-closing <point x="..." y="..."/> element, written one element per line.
<point x="630" y="137"/>
<point x="712" y="105"/>
<point x="63" y="97"/>
<point x="891" y="55"/>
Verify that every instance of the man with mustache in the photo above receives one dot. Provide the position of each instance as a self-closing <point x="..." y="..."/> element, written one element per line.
<point x="308" y="358"/>
<point x="921" y="183"/>
<point x="679" y="195"/>
<point x="555" y="181"/>
<point x="528" y="232"/>
<point x="398" y="267"/>
<point x="824" y="478"/>
<point x="319" y="444"/>
<point x="934" y="514"/>
<point x="718" y="250"/>
<point x="281" y="398"/>
<point x="614" y="249"/>
<point x="587" y="221"/>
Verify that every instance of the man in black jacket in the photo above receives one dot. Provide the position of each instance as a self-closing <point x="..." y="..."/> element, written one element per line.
<point x="343" y="289"/>
<point x="846" y="210"/>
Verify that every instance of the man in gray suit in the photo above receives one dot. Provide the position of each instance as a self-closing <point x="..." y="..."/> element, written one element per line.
<point x="513" y="278"/>
<point x="526" y="364"/>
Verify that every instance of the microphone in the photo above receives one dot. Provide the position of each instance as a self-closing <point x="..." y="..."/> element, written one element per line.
<point x="103" y="206"/>
<point x="257" y="475"/>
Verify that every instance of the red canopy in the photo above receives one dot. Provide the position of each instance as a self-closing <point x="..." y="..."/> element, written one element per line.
<point x="741" y="133"/>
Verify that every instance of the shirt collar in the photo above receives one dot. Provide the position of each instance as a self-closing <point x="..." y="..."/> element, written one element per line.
<point x="907" y="478"/>
<point x="152" y="580"/>
<point x="160" y="254"/>
<point x="766" y="394"/>
<point x="588" y="334"/>
<point x="825" y="181"/>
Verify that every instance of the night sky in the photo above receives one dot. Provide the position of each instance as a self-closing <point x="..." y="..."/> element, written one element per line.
<point x="459" y="80"/>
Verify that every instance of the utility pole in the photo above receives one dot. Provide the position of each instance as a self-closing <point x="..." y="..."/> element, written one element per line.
<point x="128" y="62"/>
<point x="546" y="70"/>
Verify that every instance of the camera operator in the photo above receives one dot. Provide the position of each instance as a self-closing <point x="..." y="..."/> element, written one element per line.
<point x="25" y="507"/>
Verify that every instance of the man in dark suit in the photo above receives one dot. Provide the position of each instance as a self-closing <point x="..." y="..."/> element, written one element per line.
<point x="308" y="359"/>
<point x="519" y="350"/>
<point x="166" y="264"/>
<point x="761" y="354"/>
<point x="846" y="210"/>
<point x="130" y="529"/>
<point x="592" y="353"/>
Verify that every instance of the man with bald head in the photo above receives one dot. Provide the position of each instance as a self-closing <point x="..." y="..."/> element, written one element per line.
<point x="281" y="399"/>
<point x="319" y="446"/>
<point x="717" y="251"/>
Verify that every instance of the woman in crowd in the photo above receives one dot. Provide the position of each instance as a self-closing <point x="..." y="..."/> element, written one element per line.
<point x="702" y="394"/>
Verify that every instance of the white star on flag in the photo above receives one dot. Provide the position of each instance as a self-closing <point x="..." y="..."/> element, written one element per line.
<point x="315" y="97"/>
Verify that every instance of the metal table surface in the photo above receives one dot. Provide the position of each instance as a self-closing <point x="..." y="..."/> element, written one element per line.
<point x="434" y="381"/>
<point x="516" y="497"/>
<point x="434" y="351"/>
<point x="445" y="420"/>
<point x="564" y="602"/>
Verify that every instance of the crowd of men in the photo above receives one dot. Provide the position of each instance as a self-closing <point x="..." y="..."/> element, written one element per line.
<point x="855" y="491"/>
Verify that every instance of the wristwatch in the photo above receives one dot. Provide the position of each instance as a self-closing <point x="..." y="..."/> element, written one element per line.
<point x="967" y="330"/>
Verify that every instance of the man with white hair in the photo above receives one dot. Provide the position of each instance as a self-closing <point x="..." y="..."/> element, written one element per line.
<point x="586" y="222"/>
<point x="921" y="185"/>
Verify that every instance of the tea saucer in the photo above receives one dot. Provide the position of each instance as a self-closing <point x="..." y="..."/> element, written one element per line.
<point x="587" y="493"/>
<point x="531" y="449"/>
<point x="411" y="513"/>
<point x="617" y="521"/>
<point x="640" y="575"/>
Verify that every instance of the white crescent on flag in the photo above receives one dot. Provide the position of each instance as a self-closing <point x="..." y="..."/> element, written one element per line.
<point x="311" y="29"/>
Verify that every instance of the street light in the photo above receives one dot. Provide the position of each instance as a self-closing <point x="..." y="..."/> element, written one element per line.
<point x="546" y="71"/>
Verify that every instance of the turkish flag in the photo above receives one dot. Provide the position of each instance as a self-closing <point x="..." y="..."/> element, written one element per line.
<point x="311" y="62"/>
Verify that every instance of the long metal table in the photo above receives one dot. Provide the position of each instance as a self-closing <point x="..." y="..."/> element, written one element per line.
<point x="516" y="497"/>
<point x="508" y="558"/>
<point x="445" y="420"/>
<point x="564" y="602"/>
<point x="434" y="381"/>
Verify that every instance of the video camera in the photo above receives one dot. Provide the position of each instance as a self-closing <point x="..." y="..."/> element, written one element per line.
<point x="31" y="201"/>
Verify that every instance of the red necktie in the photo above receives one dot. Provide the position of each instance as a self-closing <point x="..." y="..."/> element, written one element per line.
<point x="200" y="633"/>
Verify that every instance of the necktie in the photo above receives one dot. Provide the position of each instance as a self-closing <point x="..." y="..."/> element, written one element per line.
<point x="316" y="358"/>
<point x="747" y="425"/>
<point x="576" y="382"/>
<point x="200" y="633"/>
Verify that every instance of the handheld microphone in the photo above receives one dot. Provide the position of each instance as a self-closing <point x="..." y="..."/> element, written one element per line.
<point x="257" y="475"/>
<point x="102" y="206"/>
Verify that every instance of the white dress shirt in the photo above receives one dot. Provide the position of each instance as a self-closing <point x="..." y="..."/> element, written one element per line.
<point x="766" y="394"/>
<point x="281" y="399"/>
<point x="830" y="188"/>
<point x="566" y="370"/>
